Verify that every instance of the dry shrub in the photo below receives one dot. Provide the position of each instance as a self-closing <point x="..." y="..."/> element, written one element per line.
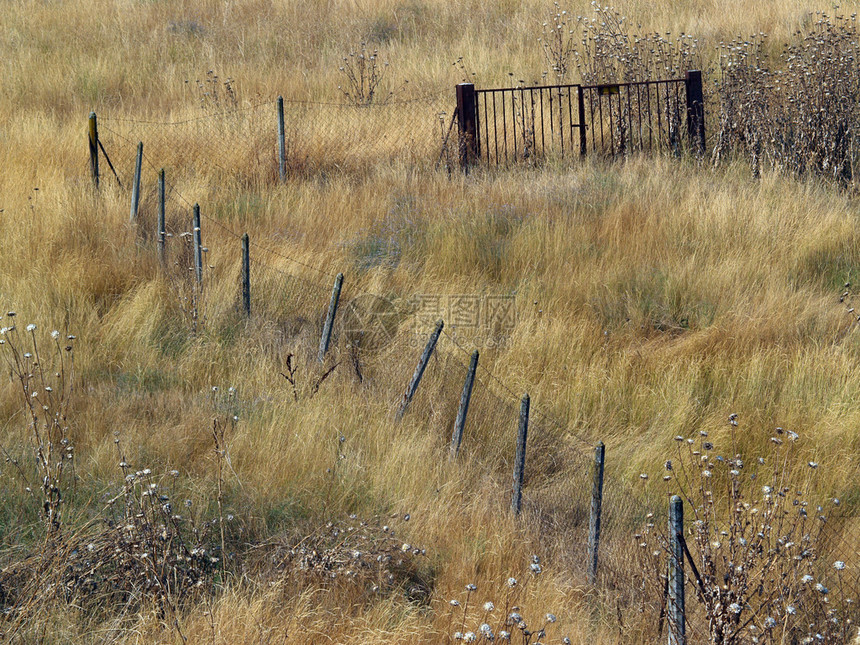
<point x="763" y="557"/>
<point x="608" y="52"/>
<point x="361" y="558"/>
<point x="796" y="112"/>
<point x="149" y="556"/>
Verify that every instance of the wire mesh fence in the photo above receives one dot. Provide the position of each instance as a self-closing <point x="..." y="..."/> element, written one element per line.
<point x="380" y="338"/>
<point x="244" y="145"/>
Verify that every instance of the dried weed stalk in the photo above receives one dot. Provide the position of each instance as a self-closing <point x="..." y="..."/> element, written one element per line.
<point x="762" y="556"/>
<point x="45" y="380"/>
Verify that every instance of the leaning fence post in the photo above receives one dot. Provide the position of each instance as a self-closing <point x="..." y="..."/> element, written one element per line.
<point x="596" y="512"/>
<point x="94" y="149"/>
<point x="329" y="319"/>
<point x="419" y="370"/>
<point x="520" y="460"/>
<point x="465" y="397"/>
<point x="162" y="205"/>
<point x="467" y="122"/>
<point x="282" y="143"/>
<point x="198" y="246"/>
<point x="677" y="625"/>
<point x="135" y="189"/>
<point x="695" y="110"/>
<point x="246" y="275"/>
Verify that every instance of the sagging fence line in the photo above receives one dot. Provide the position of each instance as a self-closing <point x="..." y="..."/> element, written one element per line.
<point x="495" y="126"/>
<point x="584" y="545"/>
<point x="199" y="217"/>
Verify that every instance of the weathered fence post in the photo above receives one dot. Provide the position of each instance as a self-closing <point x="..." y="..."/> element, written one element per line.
<point x="94" y="149"/>
<point x="465" y="397"/>
<point x="520" y="459"/>
<point x="198" y="246"/>
<point x="580" y="102"/>
<point x="695" y="110"/>
<point x="246" y="275"/>
<point x="596" y="512"/>
<point x="467" y="122"/>
<point x="329" y="319"/>
<point x="677" y="625"/>
<point x="419" y="370"/>
<point x="282" y="142"/>
<point x="161" y="234"/>
<point x="135" y="188"/>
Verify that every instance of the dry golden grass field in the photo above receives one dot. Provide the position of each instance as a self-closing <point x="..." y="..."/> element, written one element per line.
<point x="176" y="472"/>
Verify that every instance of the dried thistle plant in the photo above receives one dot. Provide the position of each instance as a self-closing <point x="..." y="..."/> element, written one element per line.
<point x="364" y="73"/>
<point x="608" y="52"/>
<point x="604" y="49"/>
<point x="798" y="111"/>
<point x="367" y="555"/>
<point x="558" y="42"/>
<point x="213" y="94"/>
<point x="45" y="376"/>
<point x="187" y="292"/>
<point x="760" y="552"/>
<point x="476" y="622"/>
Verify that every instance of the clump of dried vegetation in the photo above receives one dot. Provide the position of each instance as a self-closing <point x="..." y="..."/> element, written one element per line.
<point x="471" y="621"/>
<point x="793" y="109"/>
<point x="796" y="111"/>
<point x="759" y="550"/>
<point x="603" y="49"/>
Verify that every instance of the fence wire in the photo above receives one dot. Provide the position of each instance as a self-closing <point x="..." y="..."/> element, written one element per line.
<point x="380" y="339"/>
<point x="243" y="145"/>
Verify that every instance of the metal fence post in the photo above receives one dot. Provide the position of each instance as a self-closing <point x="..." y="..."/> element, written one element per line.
<point x="596" y="512"/>
<point x="676" y="614"/>
<point x="465" y="397"/>
<point x="329" y="319"/>
<point x="161" y="234"/>
<point x="135" y="188"/>
<point x="520" y="459"/>
<point x="282" y="143"/>
<point x="94" y="149"/>
<point x="580" y="103"/>
<point x="419" y="370"/>
<point x="695" y="110"/>
<point x="467" y="122"/>
<point x="198" y="246"/>
<point x="246" y="275"/>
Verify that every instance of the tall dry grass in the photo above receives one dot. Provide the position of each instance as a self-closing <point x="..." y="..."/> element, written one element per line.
<point x="653" y="299"/>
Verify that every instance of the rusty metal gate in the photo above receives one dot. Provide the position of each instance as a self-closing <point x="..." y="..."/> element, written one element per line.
<point x="524" y="124"/>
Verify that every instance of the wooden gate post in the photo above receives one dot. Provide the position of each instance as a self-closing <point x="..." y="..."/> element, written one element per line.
<point x="94" y="149"/>
<point x="695" y="110"/>
<point x="282" y="143"/>
<point x="520" y="459"/>
<point x="676" y="614"/>
<point x="596" y="512"/>
<point x="465" y="397"/>
<point x="419" y="370"/>
<point x="467" y="122"/>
